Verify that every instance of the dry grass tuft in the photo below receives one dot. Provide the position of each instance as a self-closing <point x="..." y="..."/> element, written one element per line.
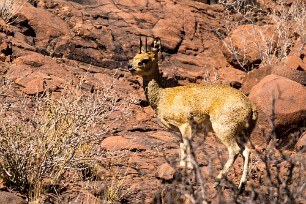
<point x="41" y="137"/>
<point x="9" y="8"/>
<point x="118" y="189"/>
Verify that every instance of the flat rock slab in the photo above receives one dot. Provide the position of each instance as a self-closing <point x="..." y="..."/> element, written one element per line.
<point x="120" y="143"/>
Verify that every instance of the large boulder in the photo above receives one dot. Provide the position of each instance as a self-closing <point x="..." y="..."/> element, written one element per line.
<point x="171" y="35"/>
<point x="283" y="101"/>
<point x="256" y="75"/>
<point x="243" y="48"/>
<point x="45" y="27"/>
<point x="36" y="73"/>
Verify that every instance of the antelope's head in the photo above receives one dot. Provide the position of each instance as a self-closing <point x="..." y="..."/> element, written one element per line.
<point x="145" y="63"/>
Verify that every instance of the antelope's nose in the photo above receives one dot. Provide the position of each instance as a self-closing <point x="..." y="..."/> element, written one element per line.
<point x="130" y="68"/>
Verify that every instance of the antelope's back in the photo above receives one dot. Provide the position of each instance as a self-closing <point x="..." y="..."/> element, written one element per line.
<point x="203" y="101"/>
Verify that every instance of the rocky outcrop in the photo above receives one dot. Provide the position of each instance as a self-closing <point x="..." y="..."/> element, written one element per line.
<point x="245" y="46"/>
<point x="90" y="42"/>
<point x="255" y="76"/>
<point x="283" y="101"/>
<point x="37" y="73"/>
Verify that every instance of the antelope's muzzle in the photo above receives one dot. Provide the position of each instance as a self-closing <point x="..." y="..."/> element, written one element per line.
<point x="131" y="68"/>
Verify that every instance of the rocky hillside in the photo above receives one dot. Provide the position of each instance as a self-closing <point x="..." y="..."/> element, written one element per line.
<point x="52" y="43"/>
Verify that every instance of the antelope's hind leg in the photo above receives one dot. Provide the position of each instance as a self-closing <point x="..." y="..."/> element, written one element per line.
<point x="246" y="155"/>
<point x="233" y="151"/>
<point x="228" y="138"/>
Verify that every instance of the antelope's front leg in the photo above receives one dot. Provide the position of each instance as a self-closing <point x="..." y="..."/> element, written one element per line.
<point x="185" y="147"/>
<point x="185" y="155"/>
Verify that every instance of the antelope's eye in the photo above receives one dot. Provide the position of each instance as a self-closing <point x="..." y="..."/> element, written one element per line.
<point x="145" y="61"/>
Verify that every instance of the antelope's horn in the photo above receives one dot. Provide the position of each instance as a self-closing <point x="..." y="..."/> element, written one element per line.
<point x="146" y="46"/>
<point x="140" y="44"/>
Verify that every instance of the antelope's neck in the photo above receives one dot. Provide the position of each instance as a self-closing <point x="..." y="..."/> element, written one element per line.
<point x="152" y="90"/>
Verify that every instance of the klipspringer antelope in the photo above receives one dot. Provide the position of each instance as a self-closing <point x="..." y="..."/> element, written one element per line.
<point x="228" y="110"/>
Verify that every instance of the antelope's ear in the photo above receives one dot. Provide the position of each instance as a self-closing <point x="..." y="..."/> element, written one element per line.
<point x="156" y="45"/>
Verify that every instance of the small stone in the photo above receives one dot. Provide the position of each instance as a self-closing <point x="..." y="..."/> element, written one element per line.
<point x="35" y="86"/>
<point x="165" y="171"/>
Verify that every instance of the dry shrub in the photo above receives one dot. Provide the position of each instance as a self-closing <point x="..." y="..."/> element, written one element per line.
<point x="288" y="21"/>
<point x="117" y="190"/>
<point x="282" y="179"/>
<point x="290" y="24"/>
<point x="44" y="137"/>
<point x="9" y="8"/>
<point x="276" y="176"/>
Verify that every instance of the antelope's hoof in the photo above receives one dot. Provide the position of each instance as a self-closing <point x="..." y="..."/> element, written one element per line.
<point x="188" y="166"/>
<point x="241" y="187"/>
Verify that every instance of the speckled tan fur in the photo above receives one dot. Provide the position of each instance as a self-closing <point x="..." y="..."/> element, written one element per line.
<point x="229" y="110"/>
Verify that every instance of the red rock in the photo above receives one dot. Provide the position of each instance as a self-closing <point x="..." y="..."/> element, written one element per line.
<point x="3" y="24"/>
<point x="58" y="42"/>
<point x="24" y="81"/>
<point x="114" y="143"/>
<point x="248" y="43"/>
<point x="3" y="68"/>
<point x="283" y="99"/>
<point x="166" y="136"/>
<point x="295" y="62"/>
<point x="36" y="72"/>
<point x="77" y="195"/>
<point x="105" y="78"/>
<point x="5" y="51"/>
<point x="10" y="198"/>
<point x="141" y="116"/>
<point x="16" y="72"/>
<point x="261" y="135"/>
<point x="94" y="187"/>
<point x="3" y="46"/>
<point x="35" y="86"/>
<point x="45" y="24"/>
<point x="44" y="64"/>
<point x="32" y="59"/>
<point x="229" y="74"/>
<point x="170" y="35"/>
<point x="255" y="76"/>
<point x="165" y="172"/>
<point x="54" y="82"/>
<point x="297" y="55"/>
